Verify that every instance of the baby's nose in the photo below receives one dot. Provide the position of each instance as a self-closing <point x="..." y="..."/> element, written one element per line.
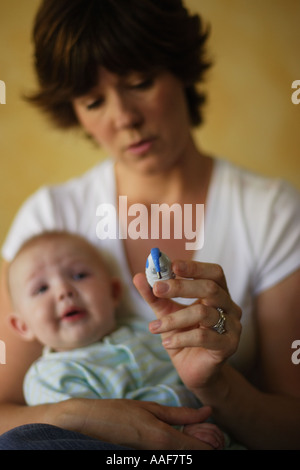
<point x="65" y="290"/>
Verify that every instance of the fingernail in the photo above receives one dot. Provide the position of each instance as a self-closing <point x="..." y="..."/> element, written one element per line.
<point x="155" y="325"/>
<point x="166" y="342"/>
<point x="161" y="287"/>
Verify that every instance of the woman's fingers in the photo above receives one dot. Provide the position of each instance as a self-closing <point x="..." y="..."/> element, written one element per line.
<point x="156" y="422"/>
<point x="199" y="270"/>
<point x="195" y="280"/>
<point x="145" y="425"/>
<point x="182" y="415"/>
<point x="207" y="290"/>
<point x="204" y="281"/>
<point x="158" y="298"/>
<point x="197" y="315"/>
<point x="192" y="326"/>
<point x="201" y="336"/>
<point x="197" y="337"/>
<point x="161" y="306"/>
<point x="189" y="328"/>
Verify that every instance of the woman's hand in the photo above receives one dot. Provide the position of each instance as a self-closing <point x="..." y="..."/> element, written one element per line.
<point x="131" y="423"/>
<point x="197" y="351"/>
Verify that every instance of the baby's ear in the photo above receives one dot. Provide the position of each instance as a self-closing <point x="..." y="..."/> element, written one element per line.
<point x="116" y="289"/>
<point x="20" y="327"/>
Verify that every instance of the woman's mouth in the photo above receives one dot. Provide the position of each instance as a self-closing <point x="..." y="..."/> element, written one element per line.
<point x="141" y="147"/>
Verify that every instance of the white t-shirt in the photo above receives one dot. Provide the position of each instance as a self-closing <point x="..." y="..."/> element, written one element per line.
<point x="252" y="229"/>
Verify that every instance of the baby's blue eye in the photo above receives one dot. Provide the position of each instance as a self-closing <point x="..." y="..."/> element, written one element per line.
<point x="41" y="289"/>
<point x="79" y="276"/>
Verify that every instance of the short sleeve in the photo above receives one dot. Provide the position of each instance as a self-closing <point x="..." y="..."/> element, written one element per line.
<point x="68" y="206"/>
<point x="37" y="214"/>
<point x="277" y="246"/>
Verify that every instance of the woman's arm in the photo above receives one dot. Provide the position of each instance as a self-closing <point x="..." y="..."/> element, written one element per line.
<point x="130" y="423"/>
<point x="265" y="417"/>
<point x="134" y="424"/>
<point x="268" y="417"/>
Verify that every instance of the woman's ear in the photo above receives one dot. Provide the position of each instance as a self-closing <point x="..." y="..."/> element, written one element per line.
<point x="19" y="325"/>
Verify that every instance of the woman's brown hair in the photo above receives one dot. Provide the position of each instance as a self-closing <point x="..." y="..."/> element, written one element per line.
<point x="73" y="38"/>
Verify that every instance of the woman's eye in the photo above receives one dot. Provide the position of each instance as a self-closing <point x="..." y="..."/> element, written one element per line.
<point x="143" y="84"/>
<point x="94" y="104"/>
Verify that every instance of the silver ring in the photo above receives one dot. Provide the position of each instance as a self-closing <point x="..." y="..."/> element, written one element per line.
<point x="219" y="326"/>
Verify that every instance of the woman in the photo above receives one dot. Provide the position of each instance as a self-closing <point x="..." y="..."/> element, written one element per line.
<point x="128" y="77"/>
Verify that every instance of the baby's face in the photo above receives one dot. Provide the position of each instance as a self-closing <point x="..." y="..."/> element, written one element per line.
<point x="63" y="294"/>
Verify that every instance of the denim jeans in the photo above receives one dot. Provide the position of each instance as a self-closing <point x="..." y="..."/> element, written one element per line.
<point x="47" y="437"/>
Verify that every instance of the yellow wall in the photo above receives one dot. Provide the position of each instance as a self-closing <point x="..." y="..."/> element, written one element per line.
<point x="250" y="117"/>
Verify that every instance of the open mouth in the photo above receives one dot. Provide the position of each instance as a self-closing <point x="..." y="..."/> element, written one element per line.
<point x="74" y="314"/>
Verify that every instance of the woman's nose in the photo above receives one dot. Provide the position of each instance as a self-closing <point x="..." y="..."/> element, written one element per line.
<point x="126" y="113"/>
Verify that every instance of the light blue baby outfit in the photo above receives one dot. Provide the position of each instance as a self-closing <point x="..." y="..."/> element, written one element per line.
<point x="130" y="363"/>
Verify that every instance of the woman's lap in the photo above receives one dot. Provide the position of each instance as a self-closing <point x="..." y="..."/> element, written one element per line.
<point x="47" y="437"/>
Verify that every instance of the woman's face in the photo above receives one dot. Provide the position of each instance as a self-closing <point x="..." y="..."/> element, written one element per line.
<point x="141" y="121"/>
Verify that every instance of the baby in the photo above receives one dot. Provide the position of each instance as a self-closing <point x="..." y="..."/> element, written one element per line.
<point x="64" y="297"/>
